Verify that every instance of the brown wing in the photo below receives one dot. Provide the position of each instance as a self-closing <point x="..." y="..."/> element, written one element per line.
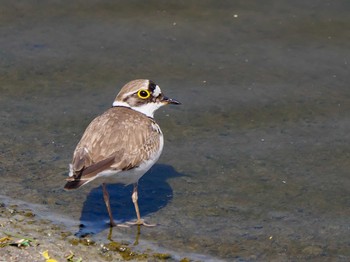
<point x="118" y="139"/>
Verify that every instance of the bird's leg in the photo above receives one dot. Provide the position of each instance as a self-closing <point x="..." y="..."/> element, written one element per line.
<point x="106" y="198"/>
<point x="139" y="221"/>
<point x="134" y="198"/>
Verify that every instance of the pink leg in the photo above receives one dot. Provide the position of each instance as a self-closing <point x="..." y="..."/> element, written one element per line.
<point x="106" y="198"/>
<point x="139" y="221"/>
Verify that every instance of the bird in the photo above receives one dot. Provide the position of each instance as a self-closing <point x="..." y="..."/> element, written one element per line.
<point x="121" y="144"/>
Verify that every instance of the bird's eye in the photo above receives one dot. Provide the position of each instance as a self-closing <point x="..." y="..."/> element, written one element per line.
<point x="144" y="94"/>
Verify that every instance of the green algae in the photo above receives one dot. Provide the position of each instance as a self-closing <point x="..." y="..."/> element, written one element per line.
<point x="162" y="256"/>
<point x="126" y="252"/>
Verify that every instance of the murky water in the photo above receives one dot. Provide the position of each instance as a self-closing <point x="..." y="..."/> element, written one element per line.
<point x="256" y="160"/>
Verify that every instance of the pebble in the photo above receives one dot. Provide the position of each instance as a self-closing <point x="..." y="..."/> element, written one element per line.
<point x="312" y="251"/>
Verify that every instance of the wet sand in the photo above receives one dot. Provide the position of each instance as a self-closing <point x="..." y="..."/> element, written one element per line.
<point x="26" y="237"/>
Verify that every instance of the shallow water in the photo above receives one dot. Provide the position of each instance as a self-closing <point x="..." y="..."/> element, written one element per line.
<point x="256" y="159"/>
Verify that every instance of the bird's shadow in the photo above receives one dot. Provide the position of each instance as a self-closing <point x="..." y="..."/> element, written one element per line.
<point x="154" y="193"/>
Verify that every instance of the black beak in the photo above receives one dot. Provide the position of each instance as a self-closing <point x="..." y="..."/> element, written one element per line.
<point x="170" y="101"/>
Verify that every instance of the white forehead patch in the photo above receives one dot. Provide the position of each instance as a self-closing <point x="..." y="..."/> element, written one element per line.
<point x="157" y="91"/>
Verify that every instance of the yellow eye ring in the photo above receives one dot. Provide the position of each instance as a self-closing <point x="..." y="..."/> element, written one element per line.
<point x="143" y="93"/>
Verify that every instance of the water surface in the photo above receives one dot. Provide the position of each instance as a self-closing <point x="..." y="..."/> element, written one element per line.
<point x="256" y="159"/>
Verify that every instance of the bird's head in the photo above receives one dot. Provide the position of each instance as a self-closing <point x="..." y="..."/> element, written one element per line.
<point x="144" y="96"/>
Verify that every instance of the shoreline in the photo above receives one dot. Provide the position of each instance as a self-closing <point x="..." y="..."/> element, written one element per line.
<point x="25" y="236"/>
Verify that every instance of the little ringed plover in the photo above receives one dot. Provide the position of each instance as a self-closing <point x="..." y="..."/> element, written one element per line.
<point x="123" y="143"/>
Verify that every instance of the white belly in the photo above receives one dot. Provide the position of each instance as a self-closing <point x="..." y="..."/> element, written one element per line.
<point x="133" y="175"/>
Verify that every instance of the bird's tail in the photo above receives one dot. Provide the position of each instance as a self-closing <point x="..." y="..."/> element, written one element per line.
<point x="75" y="183"/>
<point x="88" y="174"/>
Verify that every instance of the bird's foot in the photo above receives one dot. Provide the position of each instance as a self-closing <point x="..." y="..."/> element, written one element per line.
<point x="140" y="222"/>
<point x="113" y="224"/>
<point x="123" y="225"/>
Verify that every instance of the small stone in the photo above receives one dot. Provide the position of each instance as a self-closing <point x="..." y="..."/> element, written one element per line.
<point x="18" y="218"/>
<point x="312" y="251"/>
